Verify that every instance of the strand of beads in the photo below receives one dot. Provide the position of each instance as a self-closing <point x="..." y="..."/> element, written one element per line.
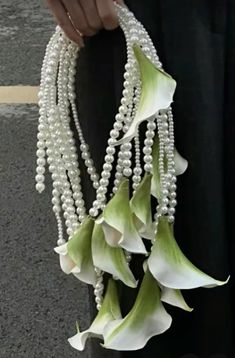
<point x="137" y="171"/>
<point x="99" y="288"/>
<point x="85" y="153"/>
<point x="166" y="166"/>
<point x="69" y="156"/>
<point x="148" y="143"/>
<point x="171" y="165"/>
<point x="48" y="72"/>
<point x="131" y="77"/>
<point x="42" y="130"/>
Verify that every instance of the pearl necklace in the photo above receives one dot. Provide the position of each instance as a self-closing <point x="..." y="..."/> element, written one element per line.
<point x="56" y="144"/>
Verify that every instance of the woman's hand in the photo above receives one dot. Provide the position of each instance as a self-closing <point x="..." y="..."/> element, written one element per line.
<point x="80" y="18"/>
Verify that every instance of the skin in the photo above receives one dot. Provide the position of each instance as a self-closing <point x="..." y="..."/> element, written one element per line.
<point x="79" y="18"/>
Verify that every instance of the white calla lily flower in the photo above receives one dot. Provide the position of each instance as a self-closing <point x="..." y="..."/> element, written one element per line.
<point x="141" y="208"/>
<point x="146" y="319"/>
<point x="181" y="165"/>
<point x="117" y="222"/>
<point x="170" y="266"/>
<point x="157" y="92"/>
<point x="110" y="259"/>
<point x="174" y="297"/>
<point x="75" y="255"/>
<point x="109" y="311"/>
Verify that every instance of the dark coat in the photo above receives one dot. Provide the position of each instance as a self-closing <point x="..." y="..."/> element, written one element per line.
<point x="195" y="40"/>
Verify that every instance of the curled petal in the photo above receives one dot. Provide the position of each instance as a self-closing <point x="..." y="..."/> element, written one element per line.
<point x="110" y="259"/>
<point x="181" y="165"/>
<point x="109" y="311"/>
<point x="146" y="319"/>
<point x="66" y="263"/>
<point x="141" y="208"/>
<point x="117" y="222"/>
<point x="174" y="297"/>
<point x="157" y="92"/>
<point x="79" y="250"/>
<point x="171" y="267"/>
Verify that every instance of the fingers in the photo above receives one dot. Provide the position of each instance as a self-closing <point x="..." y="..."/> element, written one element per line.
<point x="84" y="17"/>
<point x="78" y="17"/>
<point x="107" y="13"/>
<point x="64" y="22"/>
<point x="91" y="12"/>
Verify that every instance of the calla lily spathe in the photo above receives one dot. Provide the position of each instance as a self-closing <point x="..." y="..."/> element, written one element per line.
<point x="141" y="208"/>
<point x="174" y="297"/>
<point x="146" y="319"/>
<point x="110" y="259"/>
<point x="170" y="266"/>
<point x="181" y="165"/>
<point x="157" y="92"/>
<point x="109" y="311"/>
<point x="75" y="255"/>
<point x="117" y="222"/>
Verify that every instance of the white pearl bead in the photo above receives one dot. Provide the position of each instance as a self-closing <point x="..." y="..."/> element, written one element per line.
<point x="40" y="153"/>
<point x="114" y="133"/>
<point x="148" y="167"/>
<point x="127" y="172"/>
<point x="61" y="242"/>
<point x="56" y="208"/>
<point x="40" y="187"/>
<point x="39" y="178"/>
<point x="173" y="203"/>
<point x="93" y="212"/>
<point x="171" y="219"/>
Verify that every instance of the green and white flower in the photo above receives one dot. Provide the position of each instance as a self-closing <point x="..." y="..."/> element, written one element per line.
<point x="118" y="224"/>
<point x="108" y="312"/>
<point x="170" y="266"/>
<point x="146" y="319"/>
<point x="75" y="255"/>
<point x="174" y="297"/>
<point x="157" y="92"/>
<point x="181" y="165"/>
<point x="110" y="259"/>
<point x="141" y="208"/>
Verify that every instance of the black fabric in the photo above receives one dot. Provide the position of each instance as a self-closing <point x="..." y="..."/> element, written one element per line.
<point x="196" y="42"/>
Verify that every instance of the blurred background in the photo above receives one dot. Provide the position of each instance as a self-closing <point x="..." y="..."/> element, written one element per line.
<point x="38" y="303"/>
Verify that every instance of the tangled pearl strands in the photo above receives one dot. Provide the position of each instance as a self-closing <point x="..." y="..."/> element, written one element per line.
<point x="97" y="242"/>
<point x="56" y="144"/>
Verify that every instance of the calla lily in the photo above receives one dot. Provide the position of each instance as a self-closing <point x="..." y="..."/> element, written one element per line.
<point x="141" y="208"/>
<point x="181" y="165"/>
<point x="171" y="267"/>
<point x="117" y="222"/>
<point x="110" y="259"/>
<point x="66" y="264"/>
<point x="146" y="319"/>
<point x="169" y="295"/>
<point x="75" y="255"/>
<point x="109" y="311"/>
<point x="174" y="297"/>
<point x="158" y="89"/>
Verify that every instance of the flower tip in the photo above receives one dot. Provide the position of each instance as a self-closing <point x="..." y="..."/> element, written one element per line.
<point x="62" y="249"/>
<point x="78" y="341"/>
<point x="221" y="283"/>
<point x="99" y="220"/>
<point x="77" y="327"/>
<point x="216" y="283"/>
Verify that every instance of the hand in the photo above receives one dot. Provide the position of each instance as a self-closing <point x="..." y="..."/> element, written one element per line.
<point x="79" y="18"/>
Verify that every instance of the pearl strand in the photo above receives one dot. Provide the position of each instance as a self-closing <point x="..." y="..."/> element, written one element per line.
<point x="68" y="149"/>
<point x="72" y="98"/>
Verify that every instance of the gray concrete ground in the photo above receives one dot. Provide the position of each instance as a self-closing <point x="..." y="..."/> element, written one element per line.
<point x="38" y="303"/>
